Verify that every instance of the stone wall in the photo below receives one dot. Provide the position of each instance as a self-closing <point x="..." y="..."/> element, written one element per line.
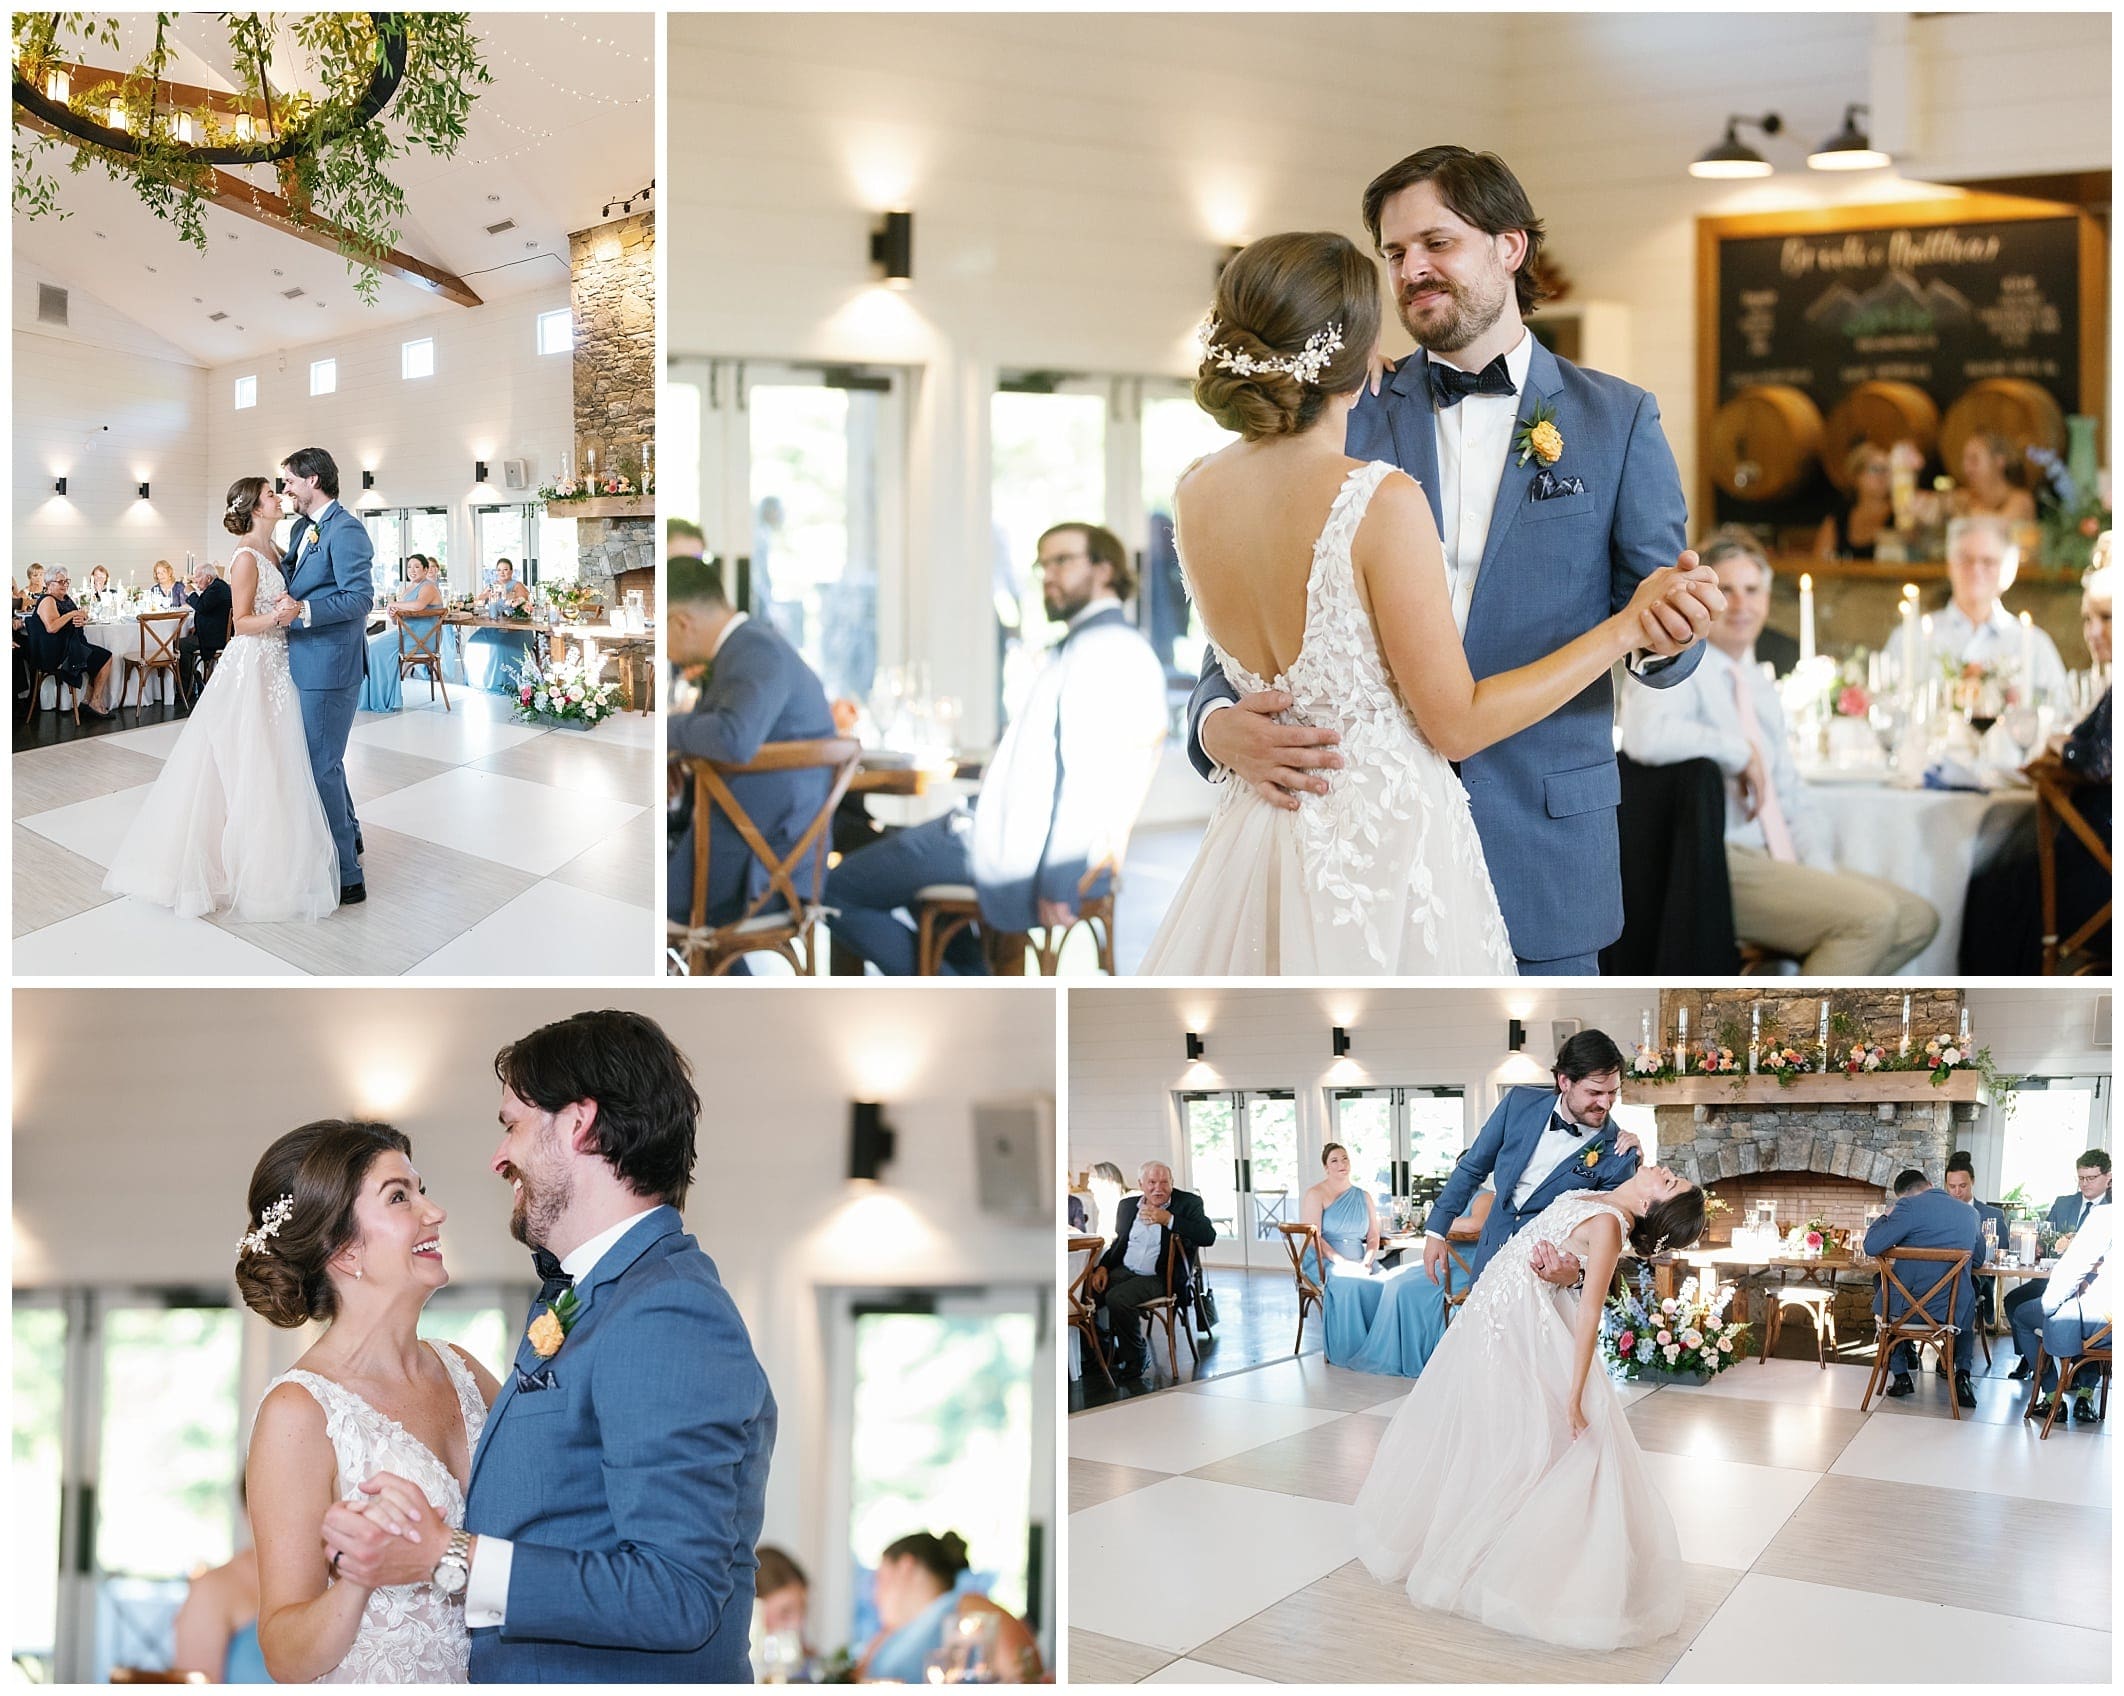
<point x="1796" y="1014"/>
<point x="1708" y="1143"/>
<point x="605" y="547"/>
<point x="614" y="298"/>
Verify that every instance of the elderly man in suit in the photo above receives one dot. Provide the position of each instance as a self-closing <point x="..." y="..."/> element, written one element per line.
<point x="757" y="690"/>
<point x="1061" y="795"/>
<point x="2078" y="1302"/>
<point x="210" y="603"/>
<point x="2069" y="1213"/>
<point x="1132" y="1271"/>
<point x="1961" y="1184"/>
<point x="1924" y="1217"/>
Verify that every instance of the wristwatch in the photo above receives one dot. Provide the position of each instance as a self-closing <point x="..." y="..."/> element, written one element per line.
<point x="454" y="1570"/>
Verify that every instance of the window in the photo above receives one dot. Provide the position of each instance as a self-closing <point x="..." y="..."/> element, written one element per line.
<point x="556" y="331"/>
<point x="246" y="392"/>
<point x="40" y="1344"/>
<point x="324" y="376"/>
<point x="2055" y="1121"/>
<point x="417" y="359"/>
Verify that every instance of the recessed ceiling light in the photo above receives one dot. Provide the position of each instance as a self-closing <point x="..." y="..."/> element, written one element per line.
<point x="100" y="236"/>
<point x="531" y="244"/>
<point x="278" y="272"/>
<point x="151" y="270"/>
<point x="495" y="199"/>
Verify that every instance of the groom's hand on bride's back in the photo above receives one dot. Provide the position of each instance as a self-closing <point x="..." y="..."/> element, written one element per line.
<point x="1278" y="760"/>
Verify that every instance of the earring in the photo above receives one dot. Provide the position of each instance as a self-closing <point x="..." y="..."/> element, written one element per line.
<point x="357" y="1271"/>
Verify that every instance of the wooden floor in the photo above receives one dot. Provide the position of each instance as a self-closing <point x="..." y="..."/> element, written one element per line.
<point x="1257" y="1321"/>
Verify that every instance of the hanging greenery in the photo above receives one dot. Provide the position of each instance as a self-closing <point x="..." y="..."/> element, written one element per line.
<point x="387" y="85"/>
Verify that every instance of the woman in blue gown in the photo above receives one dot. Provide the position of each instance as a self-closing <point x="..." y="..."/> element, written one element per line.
<point x="1410" y="1319"/>
<point x="494" y="658"/>
<point x="1348" y="1227"/>
<point x="920" y="1613"/>
<point x="422" y="602"/>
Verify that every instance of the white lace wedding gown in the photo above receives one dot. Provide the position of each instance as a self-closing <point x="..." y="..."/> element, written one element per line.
<point x="408" y="1634"/>
<point x="1384" y="873"/>
<point x="1481" y="1501"/>
<point x="234" y="821"/>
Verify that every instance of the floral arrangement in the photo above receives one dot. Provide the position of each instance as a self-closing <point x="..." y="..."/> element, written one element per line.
<point x="571" y="600"/>
<point x="1977" y="685"/>
<point x="1712" y="1058"/>
<point x="624" y="478"/>
<point x="566" y="691"/>
<point x="2072" y="510"/>
<point x="1684" y="1332"/>
<point x="1866" y="1057"/>
<point x="1782" y="1062"/>
<point x="1652" y="1065"/>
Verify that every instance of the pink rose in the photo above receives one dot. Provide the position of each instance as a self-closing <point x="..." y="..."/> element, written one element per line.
<point x="1664" y="1338"/>
<point x="1627" y="1341"/>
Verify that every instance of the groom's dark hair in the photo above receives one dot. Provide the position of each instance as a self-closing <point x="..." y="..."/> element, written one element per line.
<point x="1587" y="1055"/>
<point x="315" y="462"/>
<point x="647" y="1107"/>
<point x="1479" y="189"/>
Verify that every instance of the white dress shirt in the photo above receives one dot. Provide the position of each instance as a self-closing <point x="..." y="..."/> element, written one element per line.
<point x="1141" y="1255"/>
<point x="1474" y="439"/>
<point x="310" y="536"/>
<point x="1996" y="642"/>
<point x="1698" y="718"/>
<point x="1556" y="1146"/>
<point x="487" y="1590"/>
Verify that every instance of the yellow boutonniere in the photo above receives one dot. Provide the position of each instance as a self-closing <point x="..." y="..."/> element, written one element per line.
<point x="550" y="1329"/>
<point x="1539" y="437"/>
<point x="1590" y="1159"/>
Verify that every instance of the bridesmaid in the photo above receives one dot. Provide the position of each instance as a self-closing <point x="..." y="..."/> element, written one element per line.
<point x="1411" y="1316"/>
<point x="1343" y="1214"/>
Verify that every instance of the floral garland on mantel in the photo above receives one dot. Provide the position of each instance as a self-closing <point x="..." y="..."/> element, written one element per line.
<point x="331" y="161"/>
<point x="1848" y="1054"/>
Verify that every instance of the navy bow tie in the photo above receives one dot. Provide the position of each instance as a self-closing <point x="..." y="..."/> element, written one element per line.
<point x="551" y="1279"/>
<point x="1449" y="383"/>
<point x="1558" y="1122"/>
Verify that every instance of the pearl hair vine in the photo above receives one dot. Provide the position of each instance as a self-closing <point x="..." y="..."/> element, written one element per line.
<point x="1305" y="365"/>
<point x="269" y="1224"/>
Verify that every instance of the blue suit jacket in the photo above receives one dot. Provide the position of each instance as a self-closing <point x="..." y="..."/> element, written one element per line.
<point x="1544" y="799"/>
<point x="2065" y="1211"/>
<point x="333" y="575"/>
<point x="1502" y="1151"/>
<point x="633" y="1487"/>
<point x="759" y="690"/>
<point x="1930" y="1218"/>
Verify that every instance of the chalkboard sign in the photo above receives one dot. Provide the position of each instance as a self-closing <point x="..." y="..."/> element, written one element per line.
<point x="1938" y="295"/>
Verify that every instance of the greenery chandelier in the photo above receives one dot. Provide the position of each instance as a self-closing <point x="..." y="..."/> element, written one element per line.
<point x="330" y="149"/>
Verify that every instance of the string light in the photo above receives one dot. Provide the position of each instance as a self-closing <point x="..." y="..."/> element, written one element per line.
<point x="587" y="38"/>
<point x="502" y="53"/>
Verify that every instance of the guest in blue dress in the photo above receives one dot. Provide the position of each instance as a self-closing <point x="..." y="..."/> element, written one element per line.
<point x="493" y="658"/>
<point x="419" y="610"/>
<point x="1410" y="1318"/>
<point x="167" y="594"/>
<point x="1348" y="1226"/>
<point x="216" y="1630"/>
<point x="923" y="1611"/>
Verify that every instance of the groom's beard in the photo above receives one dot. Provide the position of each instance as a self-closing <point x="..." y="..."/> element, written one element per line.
<point x="1470" y="317"/>
<point x="538" y="1207"/>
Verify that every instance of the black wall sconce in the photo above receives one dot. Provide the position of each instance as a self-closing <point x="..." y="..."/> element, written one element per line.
<point x="1342" y="1042"/>
<point x="479" y="471"/>
<point x="1194" y="1046"/>
<point x="1730" y="157"/>
<point x="1516" y="1036"/>
<point x="870" y="1141"/>
<point x="58" y="485"/>
<point x="892" y="249"/>
<point x="368" y="479"/>
<point x="1851" y="148"/>
<point x="143" y="491"/>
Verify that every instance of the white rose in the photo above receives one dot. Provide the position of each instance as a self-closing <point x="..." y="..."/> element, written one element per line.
<point x="1953" y="1056"/>
<point x="1692" y="1339"/>
<point x="1725" y="1345"/>
<point x="1673" y="1353"/>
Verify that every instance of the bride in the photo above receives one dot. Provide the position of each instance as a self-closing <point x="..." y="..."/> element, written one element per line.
<point x="234" y="820"/>
<point x="1508" y="1487"/>
<point x="342" y="1232"/>
<point x="1322" y="576"/>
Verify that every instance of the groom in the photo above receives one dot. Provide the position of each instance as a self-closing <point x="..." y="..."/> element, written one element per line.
<point x="324" y="612"/>
<point x="1539" y="547"/>
<point x="620" y="1481"/>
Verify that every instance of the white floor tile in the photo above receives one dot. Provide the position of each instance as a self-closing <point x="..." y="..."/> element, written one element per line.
<point x="551" y="928"/>
<point x="155" y="740"/>
<point x="1805" y="1382"/>
<point x="131" y="938"/>
<point x="1725" y="1511"/>
<point x="1185" y="1671"/>
<point x="2005" y="1460"/>
<point x="526" y="825"/>
<point x="1177" y="1432"/>
<point x="93" y="829"/>
<point x="1293" y="1382"/>
<point x="1178" y="1562"/>
<point x="1780" y="1631"/>
<point x="628" y="730"/>
<point x="454" y="737"/>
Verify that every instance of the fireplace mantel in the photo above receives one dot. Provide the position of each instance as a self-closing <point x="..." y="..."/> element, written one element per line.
<point x="1828" y="1089"/>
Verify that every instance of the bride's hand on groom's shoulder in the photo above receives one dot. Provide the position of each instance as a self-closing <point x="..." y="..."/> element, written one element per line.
<point x="1381" y="369"/>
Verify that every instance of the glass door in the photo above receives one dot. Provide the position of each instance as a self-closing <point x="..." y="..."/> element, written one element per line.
<point x="39" y="1484"/>
<point x="387" y="548"/>
<point x="1403" y="1139"/>
<point x="506" y="533"/>
<point x="1242" y="1159"/>
<point x="1175" y="433"/>
<point x="2054" y="1122"/>
<point x="1048" y="464"/>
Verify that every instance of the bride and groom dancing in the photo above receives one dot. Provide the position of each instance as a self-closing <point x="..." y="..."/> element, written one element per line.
<point x="592" y="1516"/>
<point x="251" y="811"/>
<point x="1508" y="1487"/>
<point x="1414" y="599"/>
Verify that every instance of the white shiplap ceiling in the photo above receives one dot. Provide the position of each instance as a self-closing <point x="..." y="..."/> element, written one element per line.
<point x="567" y="125"/>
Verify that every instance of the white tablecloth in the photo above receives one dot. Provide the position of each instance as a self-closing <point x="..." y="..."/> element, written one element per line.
<point x="1928" y="841"/>
<point x="1077" y="1260"/>
<point x="122" y="636"/>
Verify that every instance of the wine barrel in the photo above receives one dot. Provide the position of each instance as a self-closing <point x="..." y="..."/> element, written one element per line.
<point x="2024" y="413"/>
<point x="1764" y="442"/>
<point x="1880" y="413"/>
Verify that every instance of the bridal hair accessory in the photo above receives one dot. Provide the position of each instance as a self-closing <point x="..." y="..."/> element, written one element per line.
<point x="1305" y="365"/>
<point x="254" y="1242"/>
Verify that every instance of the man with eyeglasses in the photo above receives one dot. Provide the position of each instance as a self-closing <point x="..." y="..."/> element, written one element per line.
<point x="2069" y="1213"/>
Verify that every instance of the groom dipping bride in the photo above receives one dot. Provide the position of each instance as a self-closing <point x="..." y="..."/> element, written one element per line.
<point x="590" y="1518"/>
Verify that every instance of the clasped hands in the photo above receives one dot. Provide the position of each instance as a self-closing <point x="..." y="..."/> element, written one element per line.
<point x="393" y="1537"/>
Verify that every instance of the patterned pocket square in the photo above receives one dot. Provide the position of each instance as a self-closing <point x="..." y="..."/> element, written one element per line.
<point x="1548" y="486"/>
<point x="542" y="1379"/>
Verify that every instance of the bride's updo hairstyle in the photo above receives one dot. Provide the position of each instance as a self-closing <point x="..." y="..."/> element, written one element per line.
<point x="244" y="495"/>
<point x="302" y="1214"/>
<point x="1274" y="297"/>
<point x="1671" y="1224"/>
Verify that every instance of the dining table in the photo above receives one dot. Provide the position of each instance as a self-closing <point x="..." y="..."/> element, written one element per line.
<point x="120" y="633"/>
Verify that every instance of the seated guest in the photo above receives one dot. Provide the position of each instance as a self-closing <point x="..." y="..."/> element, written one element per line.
<point x="1789" y="896"/>
<point x="216" y="1630"/>
<point x="2078" y="1302"/>
<point x="2068" y="1214"/>
<point x="57" y="643"/>
<point x="423" y="594"/>
<point x="1108" y="1186"/>
<point x="505" y="595"/>
<point x="1060" y="796"/>
<point x="1409" y="1318"/>
<point x="1975" y="628"/>
<point x="211" y="604"/>
<point x="1990" y="484"/>
<point x="1132" y="1270"/>
<point x="1079" y="1215"/>
<point x="1853" y="533"/>
<point x="1348" y="1246"/>
<point x="1961" y="1184"/>
<point x="758" y="690"/>
<point x="99" y="582"/>
<point x="167" y="592"/>
<point x="33" y="586"/>
<point x="683" y="539"/>
<point x="2002" y="920"/>
<point x="920" y="1613"/>
<point x="781" y="1603"/>
<point x="1924" y="1217"/>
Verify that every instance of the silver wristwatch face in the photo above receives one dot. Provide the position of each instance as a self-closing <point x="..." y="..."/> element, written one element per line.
<point x="452" y="1570"/>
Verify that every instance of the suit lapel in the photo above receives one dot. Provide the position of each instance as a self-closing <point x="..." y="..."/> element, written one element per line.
<point x="1413" y="425"/>
<point x="1520" y="1150"/>
<point x="1544" y="381"/>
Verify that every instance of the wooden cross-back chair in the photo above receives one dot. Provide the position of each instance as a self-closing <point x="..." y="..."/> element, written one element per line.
<point x="1926" y="1321"/>
<point x="2095" y="1352"/>
<point x="156" y="654"/>
<point x="1084" y="1314"/>
<point x="418" y="653"/>
<point x="2054" y="790"/>
<point x="1296" y="1240"/>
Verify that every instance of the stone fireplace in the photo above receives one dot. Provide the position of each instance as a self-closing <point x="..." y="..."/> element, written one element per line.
<point x="613" y="296"/>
